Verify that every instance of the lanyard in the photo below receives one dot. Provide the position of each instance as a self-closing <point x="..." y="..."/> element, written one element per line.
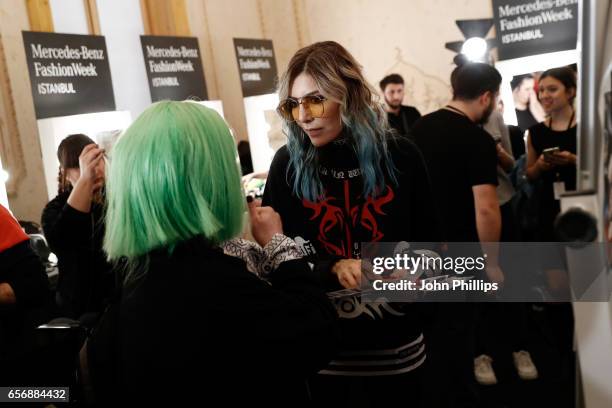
<point x="569" y="125"/>
<point x="459" y="111"/>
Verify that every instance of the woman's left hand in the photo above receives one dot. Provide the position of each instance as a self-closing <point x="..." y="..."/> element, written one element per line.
<point x="563" y="158"/>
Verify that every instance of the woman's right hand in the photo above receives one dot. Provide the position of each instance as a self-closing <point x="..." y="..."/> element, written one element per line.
<point x="543" y="164"/>
<point x="348" y="272"/>
<point x="89" y="164"/>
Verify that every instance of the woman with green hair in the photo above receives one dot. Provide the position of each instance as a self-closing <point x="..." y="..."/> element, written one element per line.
<point x="190" y="318"/>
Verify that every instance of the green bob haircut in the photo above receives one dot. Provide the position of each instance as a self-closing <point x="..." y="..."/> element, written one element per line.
<point x="173" y="175"/>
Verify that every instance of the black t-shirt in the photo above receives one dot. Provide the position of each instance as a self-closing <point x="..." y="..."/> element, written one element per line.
<point x="525" y="119"/>
<point x="459" y="155"/>
<point x="404" y="121"/>
<point x="543" y="137"/>
<point x="517" y="140"/>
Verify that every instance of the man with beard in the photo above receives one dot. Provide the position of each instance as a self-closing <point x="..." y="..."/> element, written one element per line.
<point x="462" y="158"/>
<point x="462" y="161"/>
<point x="401" y="117"/>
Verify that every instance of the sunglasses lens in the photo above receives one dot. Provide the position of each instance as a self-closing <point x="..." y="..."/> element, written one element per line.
<point x="315" y="104"/>
<point x="286" y="109"/>
<point x="289" y="109"/>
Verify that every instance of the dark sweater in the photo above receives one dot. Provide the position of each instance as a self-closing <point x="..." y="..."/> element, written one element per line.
<point x="404" y="120"/>
<point x="334" y="227"/>
<point x="86" y="281"/>
<point x="199" y="326"/>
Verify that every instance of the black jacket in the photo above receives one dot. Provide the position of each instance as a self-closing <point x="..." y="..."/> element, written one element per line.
<point x="21" y="268"/>
<point x="404" y="120"/>
<point x="86" y="281"/>
<point x="199" y="326"/>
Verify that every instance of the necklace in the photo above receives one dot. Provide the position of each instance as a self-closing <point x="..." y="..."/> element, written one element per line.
<point x="459" y="111"/>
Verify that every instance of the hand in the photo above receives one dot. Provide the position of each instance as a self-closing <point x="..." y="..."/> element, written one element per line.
<point x="91" y="164"/>
<point x="544" y="164"/>
<point x="348" y="272"/>
<point x="495" y="274"/>
<point x="563" y="158"/>
<point x="533" y="97"/>
<point x="265" y="222"/>
<point x="501" y="152"/>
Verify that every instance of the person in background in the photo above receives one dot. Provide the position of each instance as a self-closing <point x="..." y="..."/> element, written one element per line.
<point x="462" y="160"/>
<point x="342" y="179"/>
<point x="73" y="225"/>
<point x="551" y="168"/>
<point x="528" y="109"/>
<point x="401" y="117"/>
<point x="186" y="307"/>
<point x="517" y="136"/>
<point x="244" y="154"/>
<point x="556" y="168"/>
<point x="513" y="314"/>
<point x="23" y="286"/>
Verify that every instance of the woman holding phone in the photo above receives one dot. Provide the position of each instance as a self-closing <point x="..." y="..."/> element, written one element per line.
<point x="551" y="147"/>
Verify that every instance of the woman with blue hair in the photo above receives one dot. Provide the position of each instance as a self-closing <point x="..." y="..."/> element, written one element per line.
<point x="345" y="178"/>
<point x="193" y="323"/>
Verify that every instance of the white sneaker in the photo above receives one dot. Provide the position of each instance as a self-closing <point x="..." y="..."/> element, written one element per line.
<point x="483" y="370"/>
<point x="524" y="365"/>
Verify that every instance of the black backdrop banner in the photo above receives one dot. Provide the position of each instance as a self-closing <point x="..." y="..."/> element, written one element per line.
<point x="532" y="27"/>
<point x="69" y="74"/>
<point x="174" y="68"/>
<point x="256" y="65"/>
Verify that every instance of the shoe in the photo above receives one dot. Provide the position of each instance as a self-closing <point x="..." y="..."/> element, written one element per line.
<point x="483" y="370"/>
<point x="524" y="365"/>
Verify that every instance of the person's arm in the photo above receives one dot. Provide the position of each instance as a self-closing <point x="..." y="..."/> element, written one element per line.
<point x="279" y="195"/>
<point x="496" y="127"/>
<point x="488" y="216"/>
<point x="23" y="280"/>
<point x="506" y="155"/>
<point x="505" y="159"/>
<point x="535" y="107"/>
<point x="536" y="165"/>
<point x="82" y="194"/>
<point x="64" y="226"/>
<point x="488" y="225"/>
<point x="7" y="295"/>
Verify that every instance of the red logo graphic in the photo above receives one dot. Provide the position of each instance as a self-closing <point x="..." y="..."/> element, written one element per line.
<point x="337" y="224"/>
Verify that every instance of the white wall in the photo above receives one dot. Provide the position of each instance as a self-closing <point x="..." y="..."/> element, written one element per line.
<point x="121" y="24"/>
<point x="69" y="16"/>
<point x="3" y="197"/>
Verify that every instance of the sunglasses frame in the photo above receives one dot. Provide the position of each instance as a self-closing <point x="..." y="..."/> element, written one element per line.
<point x="299" y="102"/>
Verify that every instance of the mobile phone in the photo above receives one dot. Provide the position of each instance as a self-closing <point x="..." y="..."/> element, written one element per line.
<point x="550" y="151"/>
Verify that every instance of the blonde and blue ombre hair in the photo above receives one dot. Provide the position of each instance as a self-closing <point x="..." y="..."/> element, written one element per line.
<point x="339" y="78"/>
<point x="173" y="175"/>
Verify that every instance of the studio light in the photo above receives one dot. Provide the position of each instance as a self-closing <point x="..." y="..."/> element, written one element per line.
<point x="475" y="49"/>
<point x="477" y="46"/>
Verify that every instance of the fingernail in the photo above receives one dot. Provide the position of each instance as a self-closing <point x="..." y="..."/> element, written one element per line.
<point x="249" y="199"/>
